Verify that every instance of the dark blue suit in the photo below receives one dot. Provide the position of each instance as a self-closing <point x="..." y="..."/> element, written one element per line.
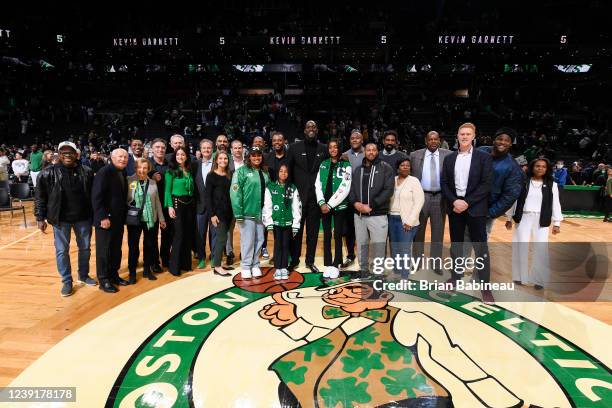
<point x="475" y="217"/>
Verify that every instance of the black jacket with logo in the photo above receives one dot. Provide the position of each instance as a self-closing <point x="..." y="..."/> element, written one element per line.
<point x="381" y="184"/>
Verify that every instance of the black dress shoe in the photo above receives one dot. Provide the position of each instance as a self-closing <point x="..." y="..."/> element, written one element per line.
<point x="121" y="282"/>
<point x="132" y="279"/>
<point x="230" y="259"/>
<point x="293" y="266"/>
<point x="108" y="287"/>
<point x="156" y="268"/>
<point x="313" y="268"/>
<point x="149" y="275"/>
<point x="175" y="273"/>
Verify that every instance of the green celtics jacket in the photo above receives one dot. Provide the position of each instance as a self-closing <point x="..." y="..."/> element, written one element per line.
<point x="282" y="206"/>
<point x="341" y="184"/>
<point x="245" y="193"/>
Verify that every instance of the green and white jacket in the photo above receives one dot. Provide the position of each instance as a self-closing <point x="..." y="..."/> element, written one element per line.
<point x="341" y="184"/>
<point x="282" y="206"/>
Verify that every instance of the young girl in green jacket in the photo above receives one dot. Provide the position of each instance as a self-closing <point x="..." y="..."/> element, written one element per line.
<point x="282" y="213"/>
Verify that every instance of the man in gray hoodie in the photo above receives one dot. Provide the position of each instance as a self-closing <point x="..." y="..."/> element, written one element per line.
<point x="371" y="190"/>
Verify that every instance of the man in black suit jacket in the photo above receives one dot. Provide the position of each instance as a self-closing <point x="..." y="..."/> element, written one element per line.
<point x="200" y="169"/>
<point x="304" y="159"/>
<point x="466" y="183"/>
<point x="109" y="202"/>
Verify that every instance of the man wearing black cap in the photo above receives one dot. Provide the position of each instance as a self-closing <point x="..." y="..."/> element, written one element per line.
<point x="304" y="159"/>
<point x="63" y="200"/>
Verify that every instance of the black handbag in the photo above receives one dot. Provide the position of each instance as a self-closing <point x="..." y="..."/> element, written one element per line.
<point x="133" y="213"/>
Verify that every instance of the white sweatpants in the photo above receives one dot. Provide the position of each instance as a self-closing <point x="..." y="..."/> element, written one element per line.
<point x="34" y="176"/>
<point x="527" y="231"/>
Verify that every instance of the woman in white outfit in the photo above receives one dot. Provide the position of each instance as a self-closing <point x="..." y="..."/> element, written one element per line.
<point x="536" y="208"/>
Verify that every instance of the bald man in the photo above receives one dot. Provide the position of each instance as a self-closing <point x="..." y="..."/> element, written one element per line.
<point x="109" y="202"/>
<point x="427" y="167"/>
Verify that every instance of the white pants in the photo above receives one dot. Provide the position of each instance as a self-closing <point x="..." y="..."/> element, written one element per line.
<point x="529" y="230"/>
<point x="34" y="176"/>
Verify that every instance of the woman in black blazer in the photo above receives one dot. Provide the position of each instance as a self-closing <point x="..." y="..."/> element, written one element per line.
<point x="218" y="200"/>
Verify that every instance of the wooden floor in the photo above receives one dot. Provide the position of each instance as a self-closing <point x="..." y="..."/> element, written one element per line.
<point x="34" y="317"/>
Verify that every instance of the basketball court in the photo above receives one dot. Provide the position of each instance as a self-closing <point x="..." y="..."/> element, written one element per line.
<point x="203" y="340"/>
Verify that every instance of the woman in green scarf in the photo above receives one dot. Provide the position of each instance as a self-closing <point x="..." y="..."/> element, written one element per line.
<point x="141" y="187"/>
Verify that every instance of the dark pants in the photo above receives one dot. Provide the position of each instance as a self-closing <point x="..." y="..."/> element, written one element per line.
<point x="204" y="227"/>
<point x="265" y="241"/>
<point x="349" y="233"/>
<point x="282" y="239"/>
<point x="477" y="227"/>
<point x="108" y="252"/>
<point x="180" y="255"/>
<point x="608" y="201"/>
<point x="149" y="243"/>
<point x="222" y="228"/>
<point x="339" y="218"/>
<point x="163" y="251"/>
<point x="311" y="218"/>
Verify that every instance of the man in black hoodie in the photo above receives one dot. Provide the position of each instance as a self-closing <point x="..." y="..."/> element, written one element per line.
<point x="371" y="191"/>
<point x="304" y="159"/>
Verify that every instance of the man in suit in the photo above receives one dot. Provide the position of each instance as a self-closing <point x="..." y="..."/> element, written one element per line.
<point x="109" y="202"/>
<point x="427" y="167"/>
<point x="304" y="160"/>
<point x="202" y="168"/>
<point x="137" y="151"/>
<point x="466" y="184"/>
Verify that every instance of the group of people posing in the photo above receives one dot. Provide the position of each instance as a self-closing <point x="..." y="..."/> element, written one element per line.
<point x="363" y="198"/>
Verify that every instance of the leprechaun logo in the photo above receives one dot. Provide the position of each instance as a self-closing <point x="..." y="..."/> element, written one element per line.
<point x="302" y="343"/>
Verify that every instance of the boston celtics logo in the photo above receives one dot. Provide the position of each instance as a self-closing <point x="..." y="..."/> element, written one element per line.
<point x="303" y="343"/>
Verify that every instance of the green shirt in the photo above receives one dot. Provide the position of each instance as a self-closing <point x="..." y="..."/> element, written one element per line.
<point x="36" y="161"/>
<point x="177" y="186"/>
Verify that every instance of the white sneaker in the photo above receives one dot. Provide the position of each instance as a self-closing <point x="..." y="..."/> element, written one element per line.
<point x="326" y="272"/>
<point x="333" y="272"/>
<point x="285" y="273"/>
<point x="278" y="274"/>
<point x="256" y="272"/>
<point x="246" y="274"/>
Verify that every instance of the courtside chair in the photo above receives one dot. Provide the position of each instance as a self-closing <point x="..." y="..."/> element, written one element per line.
<point x="21" y="191"/>
<point x="6" y="204"/>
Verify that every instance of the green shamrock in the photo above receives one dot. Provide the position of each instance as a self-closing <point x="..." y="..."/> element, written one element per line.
<point x="345" y="392"/>
<point x="361" y="359"/>
<point x="320" y="347"/>
<point x="367" y="335"/>
<point x="405" y="380"/>
<point x="288" y="374"/>
<point x="395" y="351"/>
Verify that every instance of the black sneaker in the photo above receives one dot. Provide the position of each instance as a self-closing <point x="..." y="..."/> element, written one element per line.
<point x="349" y="261"/>
<point x="66" y="289"/>
<point x="87" y="281"/>
<point x="230" y="259"/>
<point x="264" y="253"/>
<point x="313" y="268"/>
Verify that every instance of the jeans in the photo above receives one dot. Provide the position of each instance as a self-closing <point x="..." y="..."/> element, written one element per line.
<point x="401" y="241"/>
<point x="61" y="236"/>
<point x="251" y="241"/>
